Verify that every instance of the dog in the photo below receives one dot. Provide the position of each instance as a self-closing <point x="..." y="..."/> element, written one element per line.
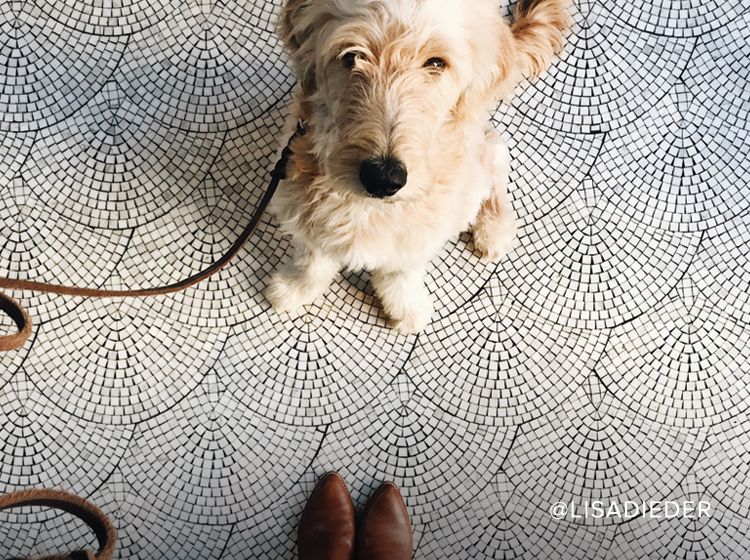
<point x="398" y="155"/>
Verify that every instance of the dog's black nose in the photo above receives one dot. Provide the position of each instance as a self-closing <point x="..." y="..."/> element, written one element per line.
<point x="382" y="177"/>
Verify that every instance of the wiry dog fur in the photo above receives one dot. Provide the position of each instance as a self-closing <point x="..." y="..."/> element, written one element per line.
<point x="370" y="86"/>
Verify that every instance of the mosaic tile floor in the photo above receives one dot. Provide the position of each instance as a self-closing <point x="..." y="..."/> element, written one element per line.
<point x="607" y="358"/>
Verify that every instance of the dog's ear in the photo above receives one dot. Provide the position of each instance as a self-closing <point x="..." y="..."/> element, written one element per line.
<point x="522" y="50"/>
<point x="298" y="21"/>
<point x="529" y="44"/>
<point x="493" y="60"/>
<point x="538" y="33"/>
<point x="289" y="28"/>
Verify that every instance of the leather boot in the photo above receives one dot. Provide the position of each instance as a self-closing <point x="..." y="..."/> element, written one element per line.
<point x="326" y="528"/>
<point x="385" y="531"/>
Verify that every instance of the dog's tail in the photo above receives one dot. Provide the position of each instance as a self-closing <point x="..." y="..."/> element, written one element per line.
<point x="539" y="29"/>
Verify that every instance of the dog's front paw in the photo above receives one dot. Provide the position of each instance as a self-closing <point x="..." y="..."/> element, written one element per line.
<point x="287" y="292"/>
<point x="494" y="235"/>
<point x="413" y="316"/>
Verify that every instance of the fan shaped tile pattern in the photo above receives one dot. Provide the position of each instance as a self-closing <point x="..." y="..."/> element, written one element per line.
<point x="606" y="359"/>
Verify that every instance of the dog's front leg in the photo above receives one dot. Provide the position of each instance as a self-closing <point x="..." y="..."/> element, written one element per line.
<point x="404" y="297"/>
<point x="495" y="227"/>
<point x="302" y="280"/>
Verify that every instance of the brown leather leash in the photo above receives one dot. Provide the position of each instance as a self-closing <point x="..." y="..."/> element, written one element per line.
<point x="21" y="318"/>
<point x="106" y="534"/>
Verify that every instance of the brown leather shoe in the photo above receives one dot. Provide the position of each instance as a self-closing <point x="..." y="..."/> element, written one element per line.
<point x="385" y="531"/>
<point x="326" y="529"/>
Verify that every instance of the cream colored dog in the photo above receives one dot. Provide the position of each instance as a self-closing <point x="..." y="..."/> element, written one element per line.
<point x="399" y="156"/>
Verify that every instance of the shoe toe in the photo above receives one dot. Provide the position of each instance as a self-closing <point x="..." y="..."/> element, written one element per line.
<point x="326" y="528"/>
<point x="385" y="531"/>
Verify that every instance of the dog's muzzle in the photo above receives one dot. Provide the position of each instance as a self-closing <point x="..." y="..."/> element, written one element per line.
<point x="382" y="177"/>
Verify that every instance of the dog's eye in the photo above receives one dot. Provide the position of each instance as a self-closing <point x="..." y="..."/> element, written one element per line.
<point x="349" y="59"/>
<point x="435" y="64"/>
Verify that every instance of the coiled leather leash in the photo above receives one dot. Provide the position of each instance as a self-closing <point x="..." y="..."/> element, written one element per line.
<point x="106" y="534"/>
<point x="21" y="318"/>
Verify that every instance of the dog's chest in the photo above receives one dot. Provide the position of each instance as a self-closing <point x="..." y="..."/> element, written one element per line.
<point x="397" y="235"/>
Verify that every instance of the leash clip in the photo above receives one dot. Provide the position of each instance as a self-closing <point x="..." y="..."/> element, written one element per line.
<point x="301" y="127"/>
<point x="279" y="170"/>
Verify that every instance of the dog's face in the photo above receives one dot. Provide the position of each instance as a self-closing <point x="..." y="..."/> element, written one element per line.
<point x="387" y="85"/>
